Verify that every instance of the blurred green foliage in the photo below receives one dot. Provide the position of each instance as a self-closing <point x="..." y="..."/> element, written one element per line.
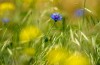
<point x="74" y="39"/>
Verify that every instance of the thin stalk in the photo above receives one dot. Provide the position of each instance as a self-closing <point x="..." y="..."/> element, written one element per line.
<point x="50" y="29"/>
<point x="84" y="6"/>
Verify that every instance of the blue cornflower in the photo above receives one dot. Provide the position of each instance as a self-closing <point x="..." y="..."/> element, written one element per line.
<point x="5" y="20"/>
<point x="56" y="17"/>
<point x="79" y="12"/>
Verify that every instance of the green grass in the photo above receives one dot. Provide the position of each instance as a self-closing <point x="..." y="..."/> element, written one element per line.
<point x="83" y="37"/>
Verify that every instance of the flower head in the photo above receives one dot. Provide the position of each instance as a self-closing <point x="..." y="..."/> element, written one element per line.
<point x="56" y="17"/>
<point x="79" y="12"/>
<point x="56" y="56"/>
<point x="28" y="33"/>
<point x="6" y="6"/>
<point x="5" y="20"/>
<point x="78" y="59"/>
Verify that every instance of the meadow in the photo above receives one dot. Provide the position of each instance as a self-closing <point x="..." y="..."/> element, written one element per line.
<point x="49" y="32"/>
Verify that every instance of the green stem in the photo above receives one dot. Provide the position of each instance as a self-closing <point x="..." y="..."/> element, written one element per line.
<point x="50" y="29"/>
<point x="84" y="5"/>
<point x="63" y="30"/>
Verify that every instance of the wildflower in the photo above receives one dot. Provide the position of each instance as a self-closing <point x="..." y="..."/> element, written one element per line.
<point x="79" y="12"/>
<point x="56" y="56"/>
<point x="56" y="17"/>
<point x="5" y="20"/>
<point x="6" y="6"/>
<point x="28" y="33"/>
<point x="78" y="59"/>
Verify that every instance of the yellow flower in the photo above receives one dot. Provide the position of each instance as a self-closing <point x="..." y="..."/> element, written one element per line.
<point x="29" y="51"/>
<point x="6" y="6"/>
<point x="78" y="59"/>
<point x="28" y="33"/>
<point x="56" y="56"/>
